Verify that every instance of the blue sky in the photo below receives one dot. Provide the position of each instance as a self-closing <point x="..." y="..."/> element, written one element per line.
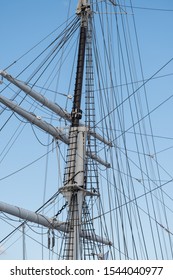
<point x="23" y="23"/>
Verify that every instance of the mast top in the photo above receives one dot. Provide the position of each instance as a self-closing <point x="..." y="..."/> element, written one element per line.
<point x="82" y="5"/>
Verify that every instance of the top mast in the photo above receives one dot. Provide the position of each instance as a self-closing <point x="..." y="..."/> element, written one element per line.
<point x="83" y="10"/>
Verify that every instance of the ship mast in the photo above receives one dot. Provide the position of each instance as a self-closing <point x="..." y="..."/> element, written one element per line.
<point x="74" y="177"/>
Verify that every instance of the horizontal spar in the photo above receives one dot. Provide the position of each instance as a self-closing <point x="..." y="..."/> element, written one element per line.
<point x="49" y="104"/>
<point x="32" y="216"/>
<point x="39" y="219"/>
<point x="37" y="96"/>
<point x="54" y="131"/>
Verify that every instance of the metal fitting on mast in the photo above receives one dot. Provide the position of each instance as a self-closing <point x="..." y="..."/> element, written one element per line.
<point x="83" y="10"/>
<point x="82" y="6"/>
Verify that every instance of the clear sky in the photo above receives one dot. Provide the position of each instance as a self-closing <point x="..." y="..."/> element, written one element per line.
<point x="23" y="23"/>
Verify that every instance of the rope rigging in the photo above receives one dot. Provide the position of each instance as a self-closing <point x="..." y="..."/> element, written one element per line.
<point x="126" y="205"/>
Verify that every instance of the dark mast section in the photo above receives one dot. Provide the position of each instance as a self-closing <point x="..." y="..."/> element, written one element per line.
<point x="76" y="110"/>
